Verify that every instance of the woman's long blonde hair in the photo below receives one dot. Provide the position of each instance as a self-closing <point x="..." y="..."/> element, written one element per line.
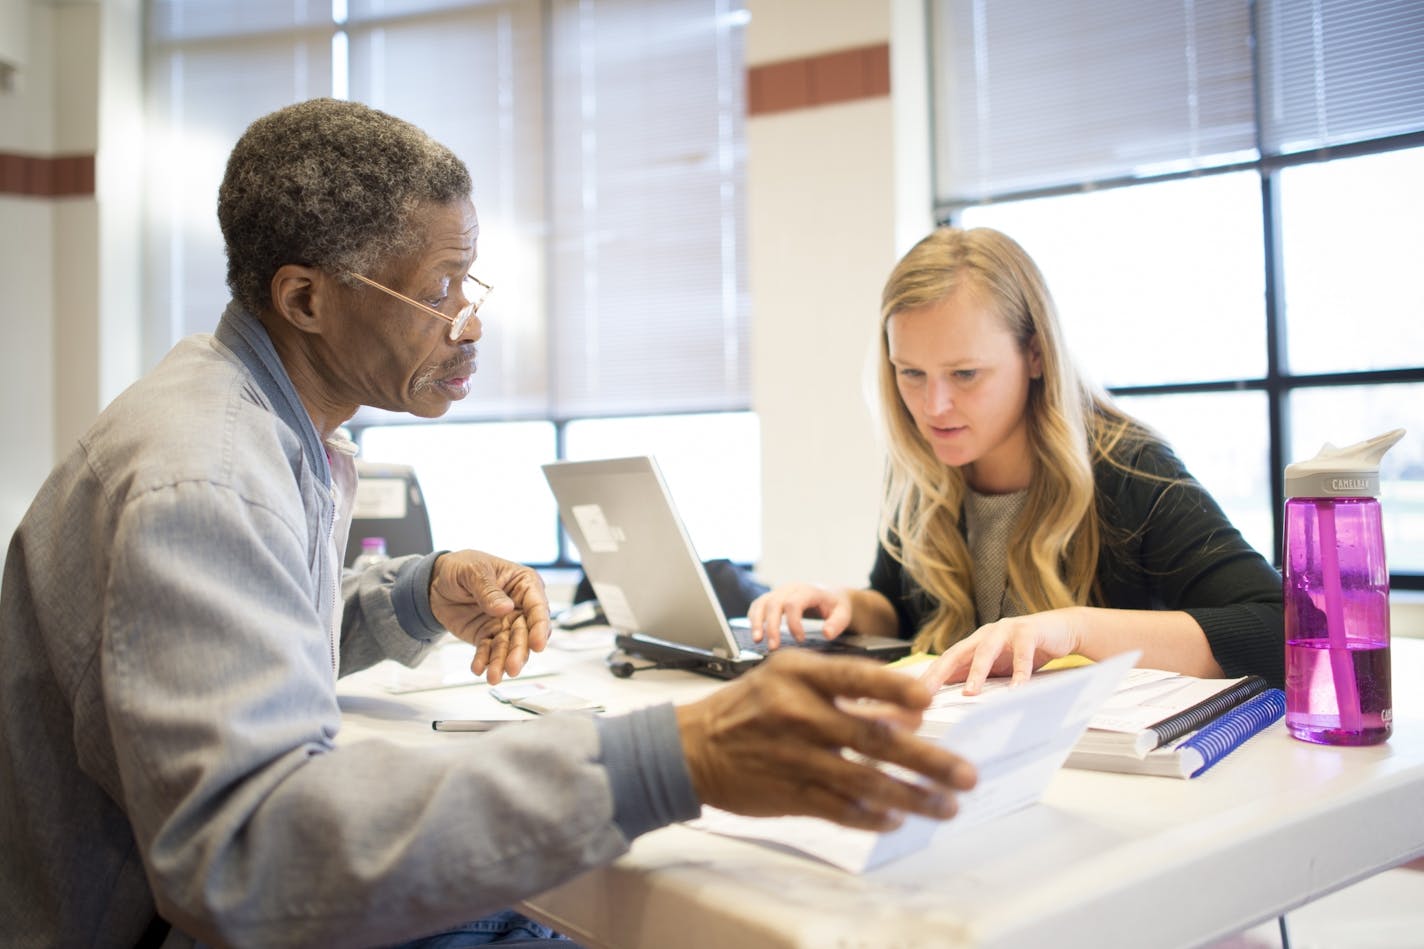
<point x="1053" y="553"/>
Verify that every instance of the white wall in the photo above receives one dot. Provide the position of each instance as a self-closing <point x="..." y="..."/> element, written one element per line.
<point x="27" y="355"/>
<point x="823" y="192"/>
<point x="821" y="241"/>
<point x="794" y="29"/>
<point x="68" y="264"/>
<point x="1406" y="614"/>
<point x="118" y="323"/>
<point x="26" y="272"/>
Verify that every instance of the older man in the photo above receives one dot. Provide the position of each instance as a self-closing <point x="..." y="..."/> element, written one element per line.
<point x="175" y="617"/>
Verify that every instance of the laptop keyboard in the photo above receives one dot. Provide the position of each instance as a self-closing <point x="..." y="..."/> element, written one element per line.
<point x="743" y="636"/>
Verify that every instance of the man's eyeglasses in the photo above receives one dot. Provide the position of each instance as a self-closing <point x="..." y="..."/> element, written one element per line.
<point x="475" y="289"/>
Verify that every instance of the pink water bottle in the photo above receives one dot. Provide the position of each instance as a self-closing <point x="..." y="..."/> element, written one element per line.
<point x="1337" y="597"/>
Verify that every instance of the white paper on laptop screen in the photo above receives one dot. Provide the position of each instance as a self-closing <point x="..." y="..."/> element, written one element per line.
<point x="600" y="536"/>
<point x="616" y="607"/>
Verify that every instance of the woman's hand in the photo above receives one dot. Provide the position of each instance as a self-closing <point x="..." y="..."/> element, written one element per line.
<point x="1013" y="646"/>
<point x="792" y="601"/>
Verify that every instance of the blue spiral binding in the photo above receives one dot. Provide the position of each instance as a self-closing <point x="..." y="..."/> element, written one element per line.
<point x="1221" y="737"/>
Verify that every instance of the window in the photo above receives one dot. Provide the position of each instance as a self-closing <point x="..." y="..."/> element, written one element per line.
<point x="1229" y="234"/>
<point x="1346" y="244"/>
<point x="1223" y="439"/>
<point x="605" y="140"/>
<point x="1114" y="262"/>
<point x="483" y="479"/>
<point x="712" y="466"/>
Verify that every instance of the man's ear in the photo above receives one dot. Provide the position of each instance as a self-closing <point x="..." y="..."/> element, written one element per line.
<point x="300" y="295"/>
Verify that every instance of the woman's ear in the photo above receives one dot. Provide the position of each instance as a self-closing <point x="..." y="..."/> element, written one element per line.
<point x="1035" y="358"/>
<point x="298" y="295"/>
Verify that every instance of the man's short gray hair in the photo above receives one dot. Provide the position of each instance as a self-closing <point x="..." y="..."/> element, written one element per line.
<point x="330" y="184"/>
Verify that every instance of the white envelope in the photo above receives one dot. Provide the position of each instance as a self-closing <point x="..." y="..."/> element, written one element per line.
<point x="1017" y="738"/>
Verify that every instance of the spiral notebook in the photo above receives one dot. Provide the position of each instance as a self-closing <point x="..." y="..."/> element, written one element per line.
<point x="1192" y="755"/>
<point x="1157" y="708"/>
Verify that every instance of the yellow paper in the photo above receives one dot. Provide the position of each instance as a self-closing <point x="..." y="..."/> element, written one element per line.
<point x="1063" y="662"/>
<point x="1071" y="661"/>
<point x="913" y="659"/>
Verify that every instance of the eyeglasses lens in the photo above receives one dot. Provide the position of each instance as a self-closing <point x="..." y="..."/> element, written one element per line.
<point x="476" y="291"/>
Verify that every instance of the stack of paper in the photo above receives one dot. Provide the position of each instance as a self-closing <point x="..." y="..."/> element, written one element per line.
<point x="1160" y="708"/>
<point x="1017" y="739"/>
<point x="1195" y="752"/>
<point x="1148" y="725"/>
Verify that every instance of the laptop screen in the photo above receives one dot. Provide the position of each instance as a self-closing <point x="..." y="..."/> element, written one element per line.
<point x="637" y="554"/>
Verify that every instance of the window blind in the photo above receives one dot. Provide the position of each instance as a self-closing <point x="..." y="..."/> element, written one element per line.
<point x="1034" y="94"/>
<point x="190" y="20"/>
<point x="473" y="78"/>
<point x="1336" y="71"/>
<point x="201" y="92"/>
<point x="605" y="140"/>
<point x="647" y="256"/>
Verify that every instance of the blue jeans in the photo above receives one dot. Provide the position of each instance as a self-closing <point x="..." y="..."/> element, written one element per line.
<point x="503" y="928"/>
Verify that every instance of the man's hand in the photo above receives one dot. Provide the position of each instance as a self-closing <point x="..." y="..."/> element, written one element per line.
<point x="771" y="743"/>
<point x="496" y="605"/>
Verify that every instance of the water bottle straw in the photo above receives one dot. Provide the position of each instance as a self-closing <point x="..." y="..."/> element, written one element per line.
<point x="1347" y="698"/>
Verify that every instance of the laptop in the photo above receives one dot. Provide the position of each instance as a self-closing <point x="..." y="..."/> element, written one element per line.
<point x="649" y="580"/>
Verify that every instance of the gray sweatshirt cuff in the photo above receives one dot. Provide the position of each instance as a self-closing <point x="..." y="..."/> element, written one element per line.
<point x="647" y="774"/>
<point x="410" y="597"/>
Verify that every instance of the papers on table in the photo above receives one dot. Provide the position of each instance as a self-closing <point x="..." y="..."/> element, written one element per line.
<point x="1151" y="709"/>
<point x="448" y="664"/>
<point x="1147" y="696"/>
<point x="1016" y="737"/>
<point x="1192" y="755"/>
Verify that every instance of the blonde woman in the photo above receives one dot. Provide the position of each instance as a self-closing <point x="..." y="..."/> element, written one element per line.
<point x="1025" y="516"/>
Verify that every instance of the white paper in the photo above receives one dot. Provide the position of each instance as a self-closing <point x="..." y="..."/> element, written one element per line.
<point x="600" y="536"/>
<point x="1132" y="710"/>
<point x="379" y="499"/>
<point x="448" y="666"/>
<point x="1135" y="700"/>
<point x="616" y="608"/>
<point x="1016" y="737"/>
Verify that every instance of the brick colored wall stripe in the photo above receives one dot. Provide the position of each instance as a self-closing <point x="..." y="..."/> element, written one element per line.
<point x="842" y="76"/>
<point x="37" y="177"/>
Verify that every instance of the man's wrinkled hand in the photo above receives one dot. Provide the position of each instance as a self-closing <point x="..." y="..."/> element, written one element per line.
<point x="496" y="605"/>
<point x="775" y="742"/>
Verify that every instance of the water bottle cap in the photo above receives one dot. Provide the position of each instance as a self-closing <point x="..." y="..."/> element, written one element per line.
<point x="1350" y="472"/>
<point x="373" y="543"/>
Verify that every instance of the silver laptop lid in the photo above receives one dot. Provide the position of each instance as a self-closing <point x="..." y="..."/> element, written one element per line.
<point x="641" y="563"/>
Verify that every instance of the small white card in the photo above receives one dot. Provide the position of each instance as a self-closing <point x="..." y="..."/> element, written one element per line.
<point x="380" y="498"/>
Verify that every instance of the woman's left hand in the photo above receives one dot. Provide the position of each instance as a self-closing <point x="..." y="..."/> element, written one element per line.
<point x="1014" y="646"/>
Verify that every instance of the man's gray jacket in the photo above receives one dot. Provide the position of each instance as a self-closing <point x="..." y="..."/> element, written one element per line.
<point x="167" y="673"/>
